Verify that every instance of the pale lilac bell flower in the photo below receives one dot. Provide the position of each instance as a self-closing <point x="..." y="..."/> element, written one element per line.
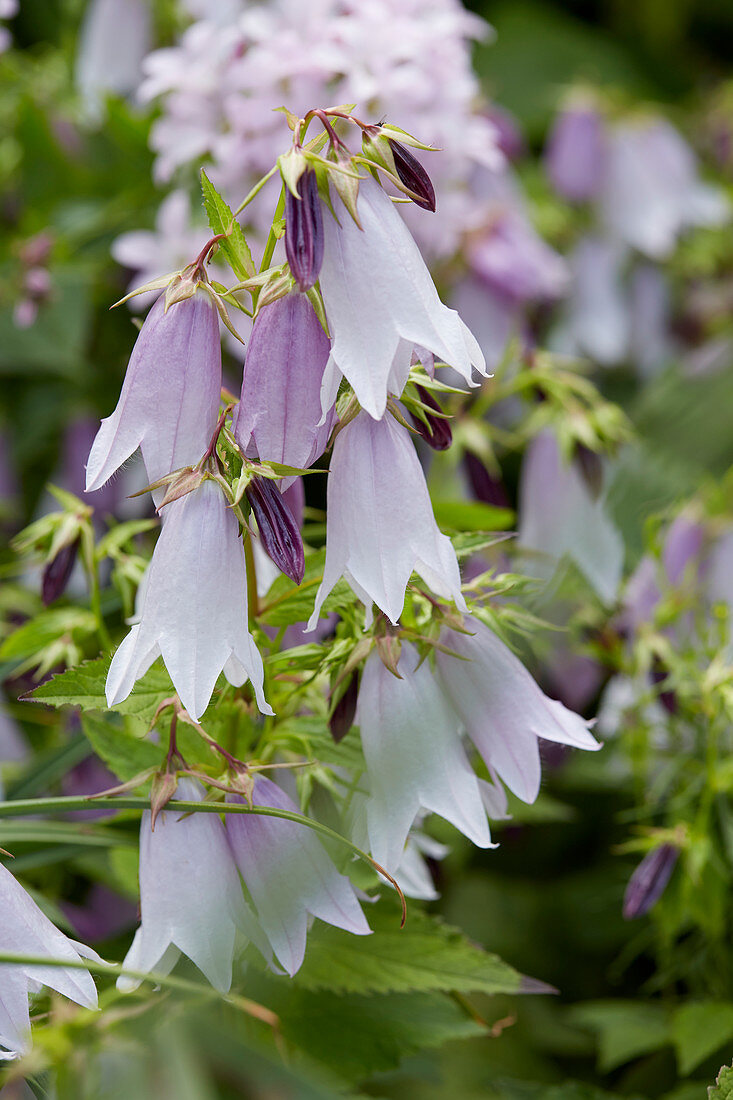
<point x="597" y="312"/>
<point x="114" y="38"/>
<point x="411" y="738"/>
<point x="25" y="930"/>
<point x="379" y="295"/>
<point x="652" y="191"/>
<point x="380" y="525"/>
<point x="289" y="876"/>
<point x="278" y="418"/>
<point x="193" y="611"/>
<point x="191" y="900"/>
<point x="559" y="515"/>
<point x="513" y="260"/>
<point x="169" y="402"/>
<point x="502" y="709"/>
<point x="575" y="156"/>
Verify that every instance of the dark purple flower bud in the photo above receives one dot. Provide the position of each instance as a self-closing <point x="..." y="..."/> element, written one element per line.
<point x="649" y="880"/>
<point x="57" y="572"/>
<point x="591" y="468"/>
<point x="667" y="698"/>
<point x="413" y="175"/>
<point x="304" y="231"/>
<point x="437" y="432"/>
<point x="342" y="715"/>
<point x="575" y="156"/>
<point x="485" y="487"/>
<point x="279" y="532"/>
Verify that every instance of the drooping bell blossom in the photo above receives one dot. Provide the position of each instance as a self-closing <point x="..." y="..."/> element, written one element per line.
<point x="304" y="230"/>
<point x="380" y="523"/>
<point x="379" y="295"/>
<point x="651" y="343"/>
<point x="649" y="881"/>
<point x="191" y="901"/>
<point x="114" y="38"/>
<point x="513" y="260"/>
<point x="413" y="874"/>
<point x="25" y="930"/>
<point x="575" y="156"/>
<point x="194" y="608"/>
<point x="492" y="317"/>
<point x="596" y="315"/>
<point x="414" y="757"/>
<point x="278" y="418"/>
<point x="277" y="527"/>
<point x="502" y="709"/>
<point x="560" y="515"/>
<point x="682" y="550"/>
<point x="652" y="191"/>
<point x="170" y="397"/>
<point x="289" y="876"/>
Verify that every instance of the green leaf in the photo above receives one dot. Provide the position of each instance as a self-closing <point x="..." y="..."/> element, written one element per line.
<point x="471" y="515"/>
<point x="44" y="629"/>
<point x="309" y="734"/>
<point x="425" y="956"/>
<point x="698" y="1029"/>
<point x="83" y="687"/>
<point x="123" y="754"/>
<point x="358" y="1036"/>
<point x="723" y="1087"/>
<point x="234" y="245"/>
<point x="288" y="603"/>
<point x="626" y="1029"/>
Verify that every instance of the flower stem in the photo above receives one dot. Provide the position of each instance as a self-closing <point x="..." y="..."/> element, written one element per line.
<point x="255" y="190"/>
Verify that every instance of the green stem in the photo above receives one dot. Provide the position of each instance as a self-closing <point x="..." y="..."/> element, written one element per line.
<point x="118" y="970"/>
<point x="22" y="806"/>
<point x="253" y="600"/>
<point x="271" y="241"/>
<point x="255" y="191"/>
<point x="91" y="566"/>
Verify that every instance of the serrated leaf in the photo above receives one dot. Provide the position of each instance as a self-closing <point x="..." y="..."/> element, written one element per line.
<point x="125" y="755"/>
<point x="234" y="245"/>
<point x="626" y="1029"/>
<point x="83" y="686"/>
<point x="698" y="1029"/>
<point x="425" y="956"/>
<point x="723" y="1087"/>
<point x="287" y="603"/>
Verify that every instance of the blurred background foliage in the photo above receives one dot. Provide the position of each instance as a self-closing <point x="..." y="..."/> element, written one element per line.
<point x="549" y="900"/>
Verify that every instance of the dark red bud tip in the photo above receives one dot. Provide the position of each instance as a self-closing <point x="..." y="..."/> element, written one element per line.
<point x="648" y="882"/>
<point x="304" y="231"/>
<point x="437" y="432"/>
<point x="413" y="175"/>
<point x="278" y="530"/>
<point x="484" y="486"/>
<point x="343" y="714"/>
<point x="57" y="572"/>
<point x="591" y="467"/>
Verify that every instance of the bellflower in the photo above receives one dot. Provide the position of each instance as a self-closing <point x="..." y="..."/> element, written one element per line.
<point x="597" y="311"/>
<point x="414" y="757"/>
<point x="575" y="156"/>
<point x="379" y="295"/>
<point x="652" y="191"/>
<point x="194" y="608"/>
<point x="170" y="397"/>
<point x="115" y="36"/>
<point x="288" y="876"/>
<point x="503" y="710"/>
<point x="559" y="515"/>
<point x="191" y="902"/>
<point x="278" y="416"/>
<point x="380" y="520"/>
<point x="25" y="930"/>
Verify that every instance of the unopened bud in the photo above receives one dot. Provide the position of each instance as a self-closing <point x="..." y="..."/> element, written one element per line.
<point x="648" y="882"/>
<point x="591" y="467"/>
<point x="342" y="715"/>
<point x="484" y="486"/>
<point x="413" y="175"/>
<point x="279" y="532"/>
<point x="437" y="431"/>
<point x="304" y="231"/>
<point x="57" y="572"/>
<point x="162" y="789"/>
